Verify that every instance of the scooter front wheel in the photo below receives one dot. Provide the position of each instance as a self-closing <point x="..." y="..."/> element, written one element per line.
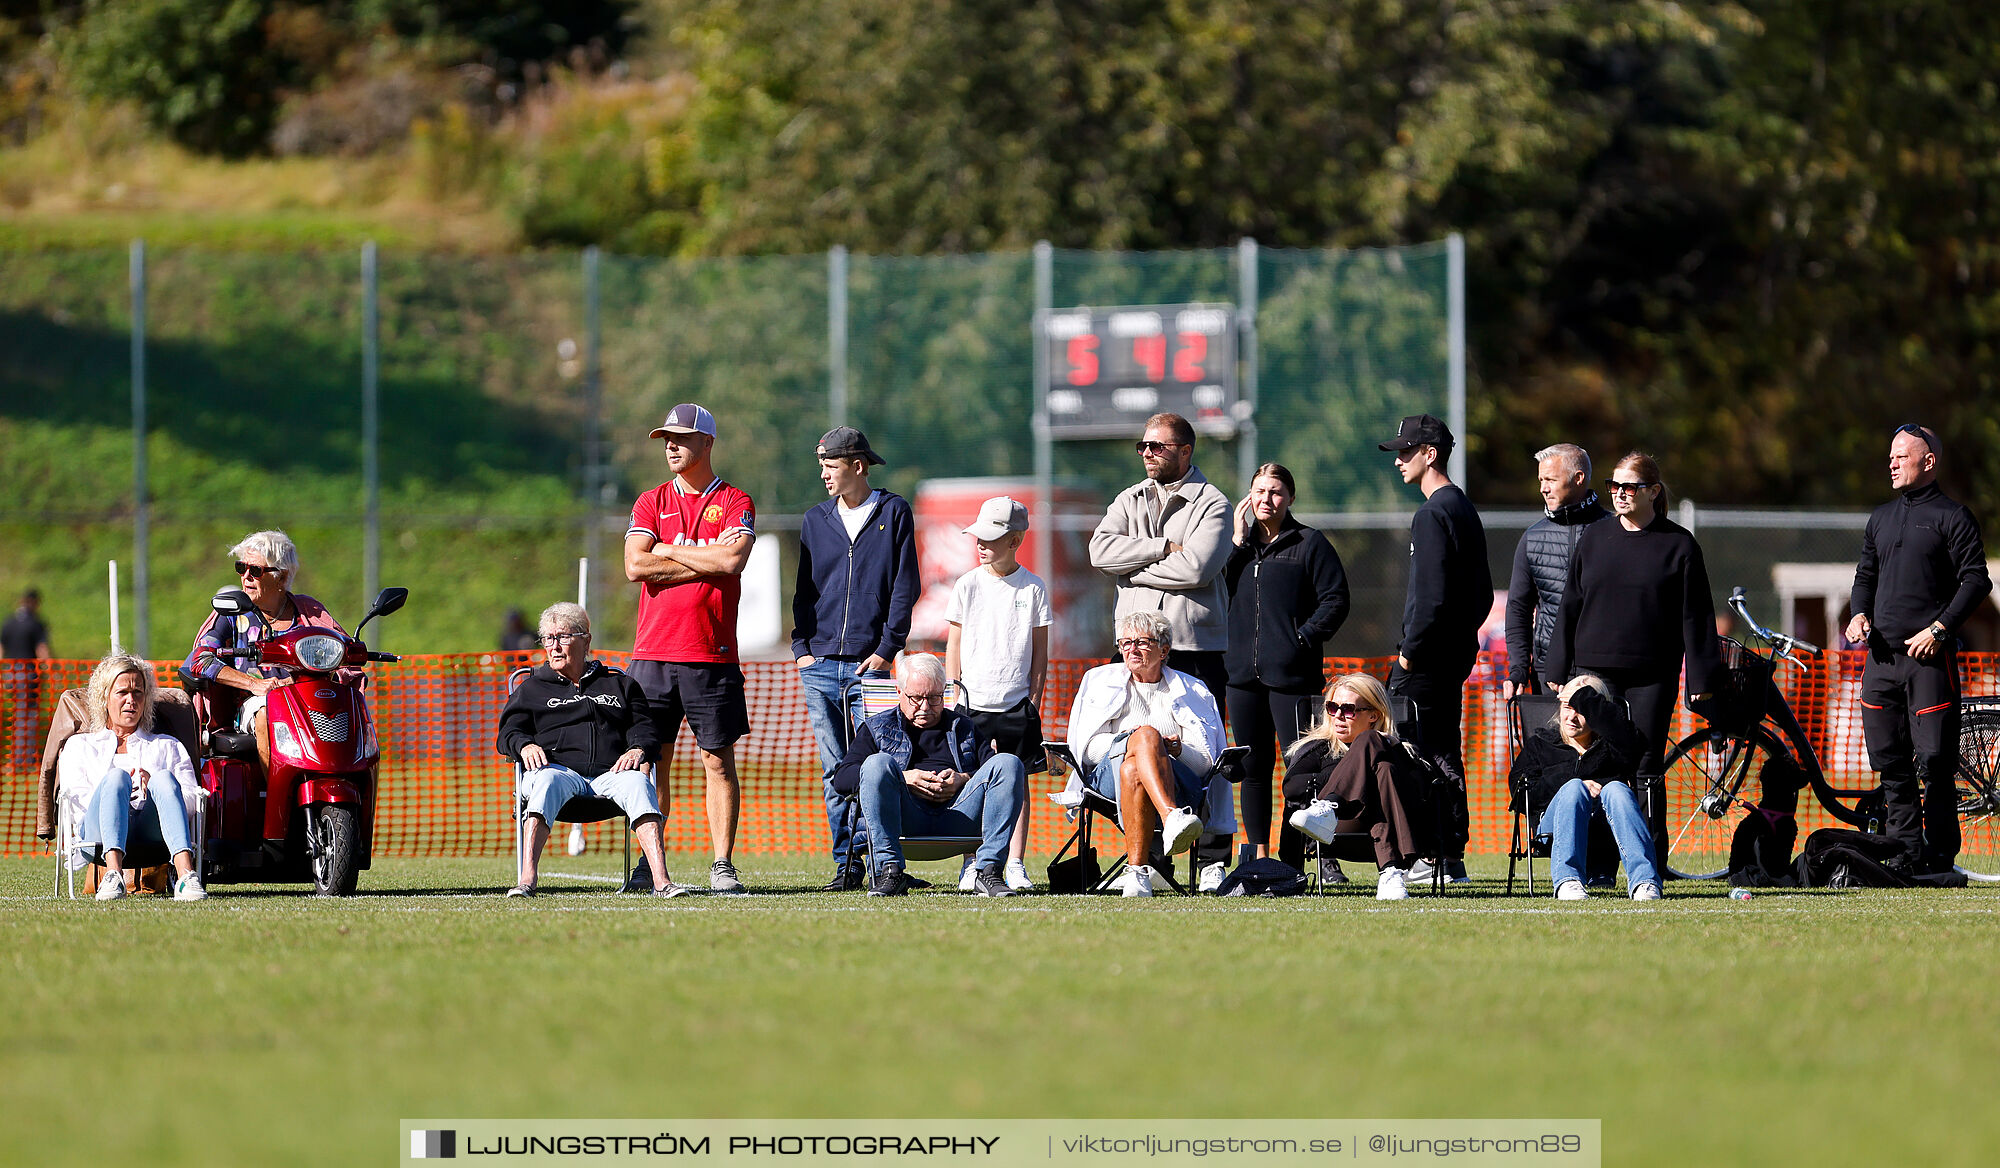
<point x="333" y="861"/>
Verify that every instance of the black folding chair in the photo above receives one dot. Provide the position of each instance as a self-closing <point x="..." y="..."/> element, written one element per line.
<point x="1229" y="764"/>
<point x="581" y="809"/>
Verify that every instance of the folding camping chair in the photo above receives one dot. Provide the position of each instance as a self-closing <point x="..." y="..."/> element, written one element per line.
<point x="581" y="809"/>
<point x="1228" y="765"/>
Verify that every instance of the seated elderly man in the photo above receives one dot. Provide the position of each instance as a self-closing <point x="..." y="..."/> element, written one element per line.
<point x="1147" y="736"/>
<point x="922" y="768"/>
<point x="578" y="727"/>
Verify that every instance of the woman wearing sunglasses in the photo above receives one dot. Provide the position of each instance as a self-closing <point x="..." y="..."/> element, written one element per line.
<point x="265" y="562"/>
<point x="1635" y="607"/>
<point x="1351" y="774"/>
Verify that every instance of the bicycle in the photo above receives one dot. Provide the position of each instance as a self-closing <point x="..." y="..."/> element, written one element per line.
<point x="1751" y="728"/>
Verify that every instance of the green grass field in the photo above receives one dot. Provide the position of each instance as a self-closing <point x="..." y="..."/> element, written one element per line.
<point x="268" y="1027"/>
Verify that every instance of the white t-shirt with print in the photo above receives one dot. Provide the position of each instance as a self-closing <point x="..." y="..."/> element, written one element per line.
<point x="997" y="617"/>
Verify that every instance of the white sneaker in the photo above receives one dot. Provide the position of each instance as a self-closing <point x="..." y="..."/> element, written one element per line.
<point x="1211" y="878"/>
<point x="577" y="841"/>
<point x="966" y="873"/>
<point x="189" y="887"/>
<point x="1317" y="820"/>
<point x="1422" y="871"/>
<point x="1181" y="829"/>
<point x="1392" y="884"/>
<point x="1017" y="876"/>
<point x="1573" y="890"/>
<point x="1647" y="890"/>
<point x="1138" y="880"/>
<point x="112" y="887"/>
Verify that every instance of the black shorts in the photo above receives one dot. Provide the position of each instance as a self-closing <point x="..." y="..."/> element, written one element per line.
<point x="1016" y="730"/>
<point x="708" y="694"/>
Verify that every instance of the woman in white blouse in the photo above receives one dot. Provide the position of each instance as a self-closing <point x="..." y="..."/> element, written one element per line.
<point x="1147" y="736"/>
<point x="125" y="784"/>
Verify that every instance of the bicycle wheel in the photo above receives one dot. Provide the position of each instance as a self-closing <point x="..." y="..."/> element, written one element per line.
<point x="1979" y="795"/>
<point x="1705" y="776"/>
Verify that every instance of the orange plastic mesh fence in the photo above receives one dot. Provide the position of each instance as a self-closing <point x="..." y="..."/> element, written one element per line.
<point x="445" y="792"/>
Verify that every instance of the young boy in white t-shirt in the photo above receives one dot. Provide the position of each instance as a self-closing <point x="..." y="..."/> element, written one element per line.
<point x="998" y="653"/>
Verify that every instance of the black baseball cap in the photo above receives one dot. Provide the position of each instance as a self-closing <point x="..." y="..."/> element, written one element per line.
<point x="847" y="442"/>
<point x="1420" y="430"/>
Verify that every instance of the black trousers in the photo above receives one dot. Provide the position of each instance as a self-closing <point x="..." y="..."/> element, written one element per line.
<point x="1267" y="721"/>
<point x="1909" y="718"/>
<point x="1650" y="697"/>
<point x="1440" y="702"/>
<point x="1207" y="665"/>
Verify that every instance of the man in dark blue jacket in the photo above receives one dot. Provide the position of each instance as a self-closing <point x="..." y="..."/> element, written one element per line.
<point x="581" y="728"/>
<point x="1541" y="564"/>
<point x="1922" y="573"/>
<point x="1450" y="593"/>
<point x="923" y="768"/>
<point x="857" y="583"/>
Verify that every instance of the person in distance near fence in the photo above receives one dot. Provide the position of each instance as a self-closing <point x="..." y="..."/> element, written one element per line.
<point x="579" y="727"/>
<point x="1449" y="594"/>
<point x="1922" y="572"/>
<point x="998" y="652"/>
<point x="1541" y="564"/>
<point x="689" y="541"/>
<point x="924" y="769"/>
<point x="857" y="585"/>
<point x="1165" y="542"/>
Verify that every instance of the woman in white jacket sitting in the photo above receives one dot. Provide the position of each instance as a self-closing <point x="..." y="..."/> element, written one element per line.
<point x="125" y="784"/>
<point x="1147" y="736"/>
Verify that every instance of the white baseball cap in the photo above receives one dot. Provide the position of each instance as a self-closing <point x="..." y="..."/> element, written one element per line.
<point x="686" y="418"/>
<point x="997" y="517"/>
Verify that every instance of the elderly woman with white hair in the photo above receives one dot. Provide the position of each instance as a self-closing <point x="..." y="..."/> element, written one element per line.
<point x="265" y="563"/>
<point x="123" y="784"/>
<point x="1580" y="769"/>
<point x="1147" y="736"/>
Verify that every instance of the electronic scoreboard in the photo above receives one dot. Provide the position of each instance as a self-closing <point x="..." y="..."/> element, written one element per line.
<point x="1112" y="368"/>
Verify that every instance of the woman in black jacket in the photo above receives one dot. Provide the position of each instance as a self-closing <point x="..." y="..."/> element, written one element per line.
<point x="1287" y="596"/>
<point x="1635" y="607"/>
<point x="1581" y="769"/>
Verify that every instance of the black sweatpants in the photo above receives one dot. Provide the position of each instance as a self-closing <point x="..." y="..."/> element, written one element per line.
<point x="1260" y="717"/>
<point x="1650" y="697"/>
<point x="1440" y="702"/>
<point x="1909" y="718"/>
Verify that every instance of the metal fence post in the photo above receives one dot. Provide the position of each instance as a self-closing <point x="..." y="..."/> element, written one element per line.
<point x="371" y="433"/>
<point x="1246" y="323"/>
<point x="1045" y="295"/>
<point x="1454" y="250"/>
<point x="596" y="480"/>
<point x="142" y="502"/>
<point x="836" y="334"/>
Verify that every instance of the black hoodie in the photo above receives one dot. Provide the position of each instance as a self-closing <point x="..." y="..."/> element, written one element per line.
<point x="584" y="726"/>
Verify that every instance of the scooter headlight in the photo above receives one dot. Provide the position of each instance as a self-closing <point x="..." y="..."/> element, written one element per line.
<point x="321" y="653"/>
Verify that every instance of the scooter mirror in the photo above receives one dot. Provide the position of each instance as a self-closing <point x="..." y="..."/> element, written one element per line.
<point x="389" y="600"/>
<point x="230" y="601"/>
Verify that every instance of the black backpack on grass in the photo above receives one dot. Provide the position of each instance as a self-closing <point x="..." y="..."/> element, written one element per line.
<point x="1835" y="857"/>
<point x="1760" y="852"/>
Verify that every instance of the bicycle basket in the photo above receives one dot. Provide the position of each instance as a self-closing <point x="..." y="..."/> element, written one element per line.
<point x="1743" y="694"/>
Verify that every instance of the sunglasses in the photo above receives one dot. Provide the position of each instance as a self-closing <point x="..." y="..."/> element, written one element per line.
<point x="1347" y="709"/>
<point x="254" y="571"/>
<point x="1918" y="431"/>
<point x="1156" y="447"/>
<point x="1132" y="643"/>
<point x="1618" y="488"/>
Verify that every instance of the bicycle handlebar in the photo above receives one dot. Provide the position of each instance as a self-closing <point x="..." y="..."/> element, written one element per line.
<point x="1786" y="645"/>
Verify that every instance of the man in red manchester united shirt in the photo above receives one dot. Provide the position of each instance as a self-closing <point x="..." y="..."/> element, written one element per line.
<point x="689" y="540"/>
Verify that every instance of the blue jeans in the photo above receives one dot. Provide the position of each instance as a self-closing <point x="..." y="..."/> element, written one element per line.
<point x="1567" y="820"/>
<point x="547" y="789"/>
<point x="832" y="727"/>
<point x="111" y="823"/>
<point x="987" y="806"/>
